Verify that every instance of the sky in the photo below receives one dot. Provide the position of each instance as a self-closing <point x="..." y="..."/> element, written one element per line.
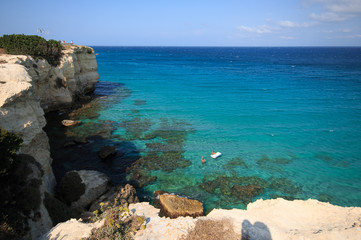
<point x="187" y="22"/>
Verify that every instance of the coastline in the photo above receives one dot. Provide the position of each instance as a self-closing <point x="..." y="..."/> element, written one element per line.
<point x="346" y="220"/>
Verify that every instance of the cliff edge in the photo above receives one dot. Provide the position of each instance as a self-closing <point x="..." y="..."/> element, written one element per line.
<point x="275" y="219"/>
<point x="28" y="88"/>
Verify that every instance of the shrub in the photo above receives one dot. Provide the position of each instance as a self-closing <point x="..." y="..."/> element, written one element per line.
<point x="120" y="222"/>
<point x="32" y="45"/>
<point x="212" y="230"/>
<point x="9" y="144"/>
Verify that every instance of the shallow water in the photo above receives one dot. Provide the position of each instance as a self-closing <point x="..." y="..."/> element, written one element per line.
<point x="287" y="121"/>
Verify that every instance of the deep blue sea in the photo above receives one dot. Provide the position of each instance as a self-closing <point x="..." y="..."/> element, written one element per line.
<point x="286" y="120"/>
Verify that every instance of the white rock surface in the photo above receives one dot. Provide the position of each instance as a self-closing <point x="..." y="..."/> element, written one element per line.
<point x="96" y="183"/>
<point x="71" y="230"/>
<point x="27" y="88"/>
<point x="275" y="219"/>
<point x="59" y="86"/>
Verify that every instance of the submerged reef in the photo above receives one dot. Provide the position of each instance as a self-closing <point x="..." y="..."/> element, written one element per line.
<point x="164" y="152"/>
<point x="243" y="189"/>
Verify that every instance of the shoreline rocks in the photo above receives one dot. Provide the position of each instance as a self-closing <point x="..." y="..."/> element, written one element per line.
<point x="174" y="206"/>
<point x="70" y="123"/>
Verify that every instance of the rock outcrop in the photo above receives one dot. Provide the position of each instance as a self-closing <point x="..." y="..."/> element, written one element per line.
<point x="80" y="188"/>
<point x="122" y="195"/>
<point x="174" y="206"/>
<point x="28" y="87"/>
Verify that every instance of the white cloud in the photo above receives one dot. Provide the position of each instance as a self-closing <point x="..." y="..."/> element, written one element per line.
<point x="342" y="6"/>
<point x="259" y="29"/>
<point x="290" y="24"/>
<point x="337" y="10"/>
<point x="330" y="17"/>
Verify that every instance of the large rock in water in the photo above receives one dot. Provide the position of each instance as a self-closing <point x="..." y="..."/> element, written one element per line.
<point x="174" y="206"/>
<point x="81" y="188"/>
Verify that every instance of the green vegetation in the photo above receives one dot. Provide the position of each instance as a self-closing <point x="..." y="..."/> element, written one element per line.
<point x="9" y="144"/>
<point x="20" y="179"/>
<point x="120" y="223"/>
<point x="33" y="45"/>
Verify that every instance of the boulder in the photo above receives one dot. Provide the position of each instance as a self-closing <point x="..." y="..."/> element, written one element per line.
<point x="80" y="188"/>
<point x="106" y="152"/>
<point x="70" y="123"/>
<point x="174" y="206"/>
<point x="123" y="194"/>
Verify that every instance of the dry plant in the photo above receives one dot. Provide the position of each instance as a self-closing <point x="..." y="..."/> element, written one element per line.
<point x="213" y="230"/>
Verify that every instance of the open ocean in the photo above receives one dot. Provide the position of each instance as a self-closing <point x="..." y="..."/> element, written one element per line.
<point x="286" y="120"/>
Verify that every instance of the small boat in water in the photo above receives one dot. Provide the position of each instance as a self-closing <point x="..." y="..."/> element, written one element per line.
<point x="215" y="155"/>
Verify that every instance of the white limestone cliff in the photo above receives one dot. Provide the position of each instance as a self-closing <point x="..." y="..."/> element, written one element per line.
<point x="28" y="87"/>
<point x="274" y="219"/>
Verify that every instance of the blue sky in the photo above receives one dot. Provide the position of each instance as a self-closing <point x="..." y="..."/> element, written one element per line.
<point x="188" y="22"/>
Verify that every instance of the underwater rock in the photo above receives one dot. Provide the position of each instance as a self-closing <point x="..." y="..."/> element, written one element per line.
<point x="70" y="123"/>
<point x="141" y="177"/>
<point x="106" y="152"/>
<point x="246" y="193"/>
<point x="235" y="162"/>
<point x="174" y="206"/>
<point x="283" y="185"/>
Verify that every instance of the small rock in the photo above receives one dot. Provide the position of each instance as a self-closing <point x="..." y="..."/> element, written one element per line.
<point x="174" y="206"/>
<point x="106" y="152"/>
<point x="70" y="123"/>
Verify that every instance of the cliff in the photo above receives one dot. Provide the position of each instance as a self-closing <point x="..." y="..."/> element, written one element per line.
<point x="28" y="87"/>
<point x="263" y="220"/>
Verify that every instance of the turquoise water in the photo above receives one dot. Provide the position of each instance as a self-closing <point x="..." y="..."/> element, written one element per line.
<point x="289" y="119"/>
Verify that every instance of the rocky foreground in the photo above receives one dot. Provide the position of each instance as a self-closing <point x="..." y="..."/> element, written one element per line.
<point x="263" y="219"/>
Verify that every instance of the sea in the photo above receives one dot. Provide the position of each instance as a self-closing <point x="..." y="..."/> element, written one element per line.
<point x="287" y="121"/>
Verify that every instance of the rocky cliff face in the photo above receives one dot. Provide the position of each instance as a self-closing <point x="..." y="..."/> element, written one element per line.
<point x="28" y="87"/>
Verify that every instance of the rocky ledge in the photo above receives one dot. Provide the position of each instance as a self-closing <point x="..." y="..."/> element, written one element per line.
<point x="28" y="88"/>
<point x="263" y="220"/>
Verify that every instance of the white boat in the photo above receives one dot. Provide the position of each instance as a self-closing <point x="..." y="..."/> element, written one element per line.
<point x="217" y="154"/>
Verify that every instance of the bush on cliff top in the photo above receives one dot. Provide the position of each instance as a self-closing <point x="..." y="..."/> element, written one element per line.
<point x="32" y="45"/>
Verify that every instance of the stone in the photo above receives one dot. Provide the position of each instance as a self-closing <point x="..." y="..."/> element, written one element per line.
<point x="96" y="184"/>
<point x="106" y="152"/>
<point x="80" y="188"/>
<point x="123" y="194"/>
<point x="70" y="123"/>
<point x="174" y="206"/>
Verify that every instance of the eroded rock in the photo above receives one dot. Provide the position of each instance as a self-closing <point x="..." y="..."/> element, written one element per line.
<point x="174" y="206"/>
<point x="70" y="123"/>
